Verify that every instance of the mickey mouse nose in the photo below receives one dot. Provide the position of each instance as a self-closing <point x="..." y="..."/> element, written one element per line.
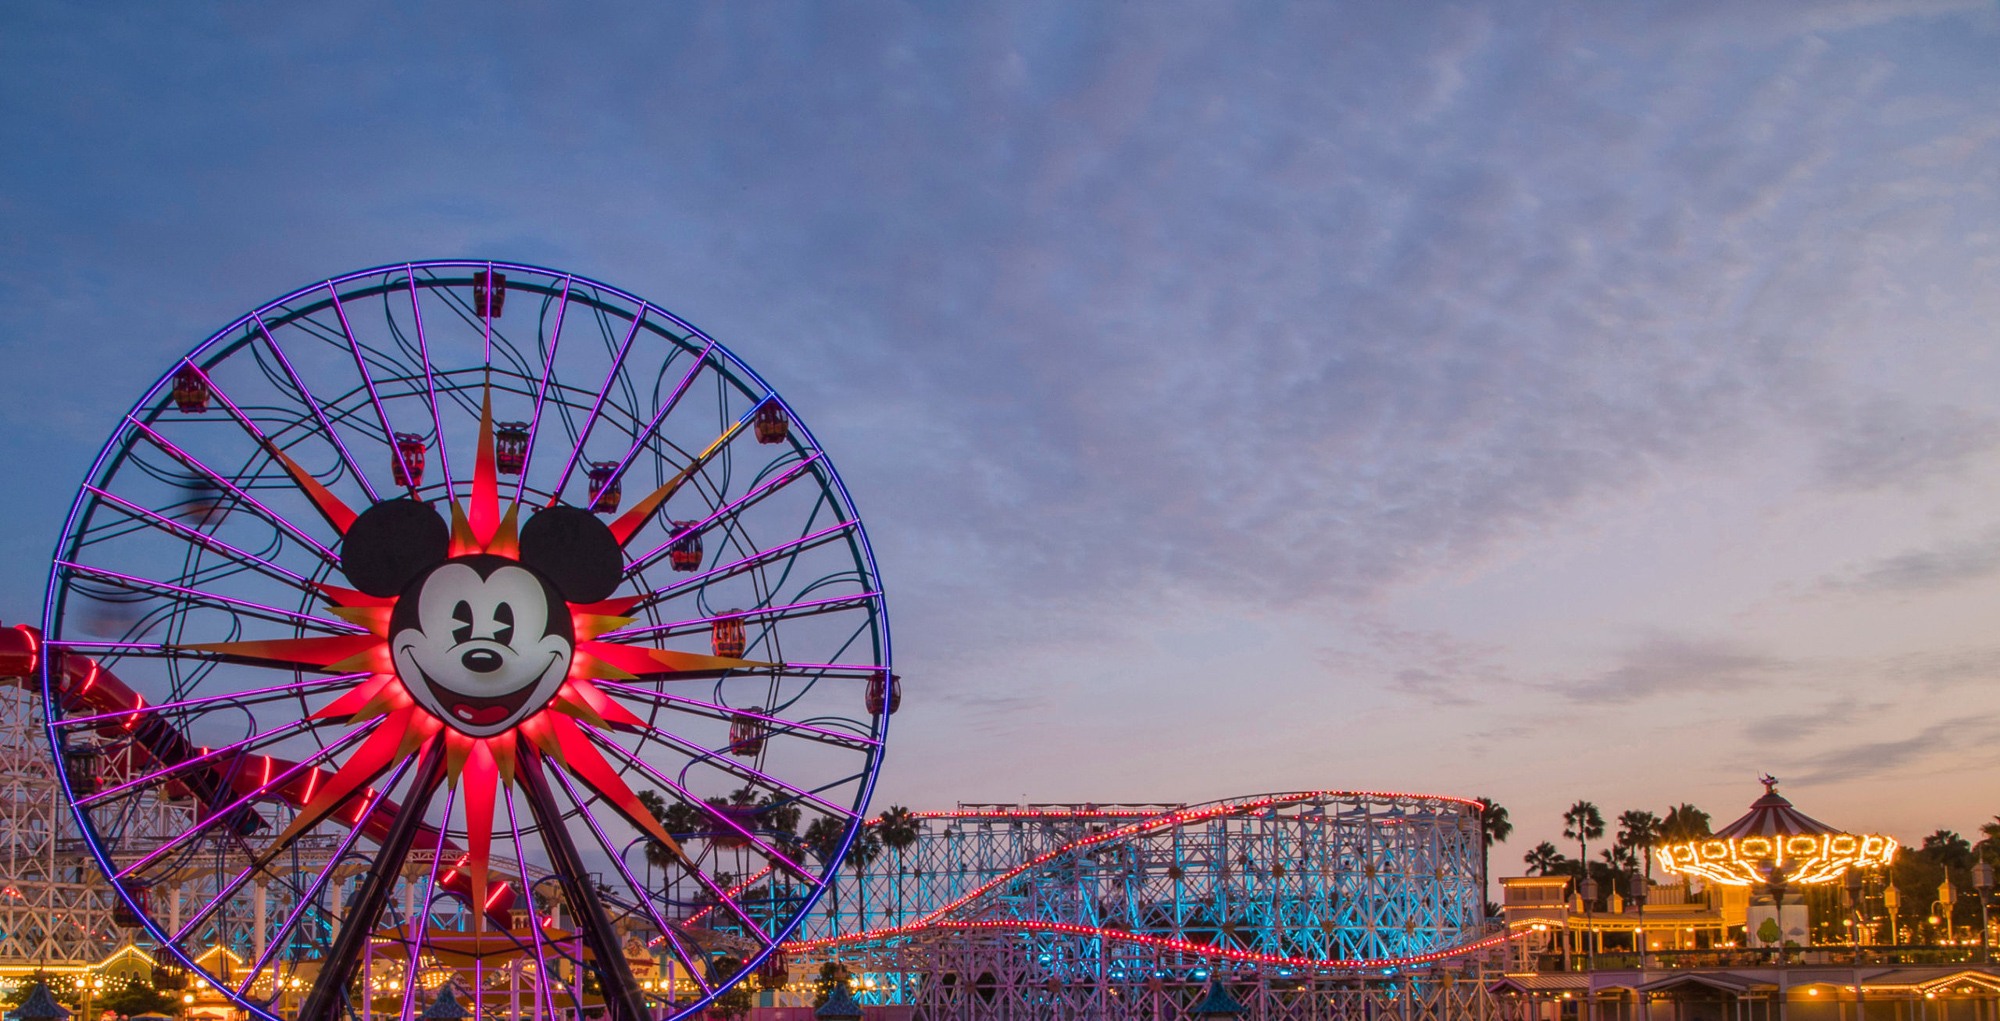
<point x="481" y="661"/>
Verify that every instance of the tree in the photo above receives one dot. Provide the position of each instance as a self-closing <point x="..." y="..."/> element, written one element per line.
<point x="739" y="999"/>
<point x="1640" y="830"/>
<point x="1947" y="848"/>
<point x="1493" y="829"/>
<point x="1683" y="823"/>
<point x="1544" y="859"/>
<point x="899" y="830"/>
<point x="136" y="997"/>
<point x="830" y="974"/>
<point x="1988" y="847"/>
<point x="1583" y="823"/>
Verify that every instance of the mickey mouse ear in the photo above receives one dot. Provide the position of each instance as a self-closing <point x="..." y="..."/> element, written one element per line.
<point x="391" y="543"/>
<point x="575" y="551"/>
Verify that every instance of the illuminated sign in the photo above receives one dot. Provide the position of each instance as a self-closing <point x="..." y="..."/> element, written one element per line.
<point x="1800" y="859"/>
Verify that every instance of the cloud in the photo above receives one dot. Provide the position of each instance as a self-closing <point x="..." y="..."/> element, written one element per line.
<point x="1928" y="569"/>
<point x="1885" y="758"/>
<point x="1891" y="443"/>
<point x="1670" y="665"/>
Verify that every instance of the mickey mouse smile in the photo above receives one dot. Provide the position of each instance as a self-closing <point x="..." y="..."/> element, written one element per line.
<point x="486" y="640"/>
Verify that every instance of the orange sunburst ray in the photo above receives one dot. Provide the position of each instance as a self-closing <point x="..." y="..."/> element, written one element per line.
<point x="336" y="653"/>
<point x="587" y="702"/>
<point x="337" y="513"/>
<point x="576" y="753"/>
<point x="396" y="737"/>
<point x="638" y="660"/>
<point x="356" y="702"/>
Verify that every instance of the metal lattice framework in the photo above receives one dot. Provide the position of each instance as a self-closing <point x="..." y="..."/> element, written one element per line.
<point x="1313" y="904"/>
<point x="53" y="905"/>
<point x="249" y="759"/>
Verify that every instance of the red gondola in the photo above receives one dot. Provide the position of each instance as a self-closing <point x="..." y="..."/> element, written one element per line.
<point x="685" y="554"/>
<point x="885" y="693"/>
<point x="726" y="638"/>
<point x="747" y="733"/>
<point x="191" y="391"/>
<point x="481" y="293"/>
<point x="605" y="490"/>
<point x="510" y="446"/>
<point x="410" y="447"/>
<point x="772" y="425"/>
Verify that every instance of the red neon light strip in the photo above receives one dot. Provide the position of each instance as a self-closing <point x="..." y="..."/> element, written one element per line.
<point x="1164" y="943"/>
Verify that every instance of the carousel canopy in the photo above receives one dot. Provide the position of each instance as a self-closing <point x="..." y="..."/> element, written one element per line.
<point x="1775" y="843"/>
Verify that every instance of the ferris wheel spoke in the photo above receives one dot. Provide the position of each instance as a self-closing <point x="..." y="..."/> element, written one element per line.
<point x="788" y="611"/>
<point x="643" y="895"/>
<point x="374" y="396"/>
<point x="542" y="390"/>
<point x="748" y="562"/>
<point x="542" y="995"/>
<point x="776" y="856"/>
<point x="416" y="929"/>
<point x="727" y="714"/>
<point x="203" y="539"/>
<point x="228" y="484"/>
<point x="203" y="825"/>
<point x="223" y="754"/>
<point x="325" y="1001"/>
<point x="640" y="436"/>
<point x="294" y="689"/>
<point x="430" y="383"/>
<point x="730" y="510"/>
<point x="318" y="883"/>
<point x="133" y="583"/>
<point x="318" y="410"/>
<point x="336" y="512"/>
<point x="623" y="1000"/>
<point x="597" y="405"/>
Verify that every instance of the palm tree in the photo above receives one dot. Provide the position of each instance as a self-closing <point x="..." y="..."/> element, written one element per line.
<point x="823" y="839"/>
<point x="867" y="846"/>
<point x="1493" y="829"/>
<point x="1683" y="823"/>
<point x="1640" y="830"/>
<point x="899" y="830"/>
<point x="1544" y="859"/>
<point x="1583" y="823"/>
<point x="1948" y="849"/>
<point x="1989" y="840"/>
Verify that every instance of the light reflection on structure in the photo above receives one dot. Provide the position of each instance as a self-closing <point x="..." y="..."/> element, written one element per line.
<point x="1776" y="842"/>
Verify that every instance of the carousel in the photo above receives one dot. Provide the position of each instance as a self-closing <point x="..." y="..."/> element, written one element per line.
<point x="1772" y="851"/>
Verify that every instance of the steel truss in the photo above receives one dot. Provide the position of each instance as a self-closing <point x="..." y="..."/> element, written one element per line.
<point x="1327" y="904"/>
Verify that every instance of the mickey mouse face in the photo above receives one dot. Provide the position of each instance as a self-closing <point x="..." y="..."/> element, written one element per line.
<point x="482" y="641"/>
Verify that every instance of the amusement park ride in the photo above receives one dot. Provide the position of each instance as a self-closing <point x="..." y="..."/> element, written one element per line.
<point x="365" y="673"/>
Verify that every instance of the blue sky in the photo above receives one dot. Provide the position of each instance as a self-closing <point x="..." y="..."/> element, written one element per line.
<point x="1538" y="401"/>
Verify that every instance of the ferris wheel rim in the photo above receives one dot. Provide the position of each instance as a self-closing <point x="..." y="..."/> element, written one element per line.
<point x="124" y="436"/>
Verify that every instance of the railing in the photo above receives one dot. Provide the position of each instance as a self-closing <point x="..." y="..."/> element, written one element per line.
<point x="1765" y="957"/>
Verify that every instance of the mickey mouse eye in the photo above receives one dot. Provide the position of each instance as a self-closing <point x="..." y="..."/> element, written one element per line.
<point x="462" y="613"/>
<point x="503" y="615"/>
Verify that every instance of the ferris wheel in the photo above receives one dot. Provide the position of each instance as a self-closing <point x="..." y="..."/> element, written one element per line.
<point x="465" y="629"/>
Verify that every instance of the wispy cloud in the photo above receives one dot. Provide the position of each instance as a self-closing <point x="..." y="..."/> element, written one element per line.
<point x="1678" y="666"/>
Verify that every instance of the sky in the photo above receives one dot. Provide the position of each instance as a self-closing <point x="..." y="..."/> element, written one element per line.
<point x="1537" y="401"/>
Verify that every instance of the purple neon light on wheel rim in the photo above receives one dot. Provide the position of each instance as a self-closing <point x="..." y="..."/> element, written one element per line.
<point x="191" y="535"/>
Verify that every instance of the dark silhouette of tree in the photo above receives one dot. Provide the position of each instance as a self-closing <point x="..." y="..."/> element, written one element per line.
<point x="1545" y="859"/>
<point x="1947" y="848"/>
<point x="1494" y="828"/>
<point x="1988" y="847"/>
<point x="739" y="999"/>
<point x="898" y="829"/>
<point x="1583" y="823"/>
<point x="1683" y="823"/>
<point x="1638" y="831"/>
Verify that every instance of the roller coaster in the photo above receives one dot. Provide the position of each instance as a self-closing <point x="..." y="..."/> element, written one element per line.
<point x="1302" y="905"/>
